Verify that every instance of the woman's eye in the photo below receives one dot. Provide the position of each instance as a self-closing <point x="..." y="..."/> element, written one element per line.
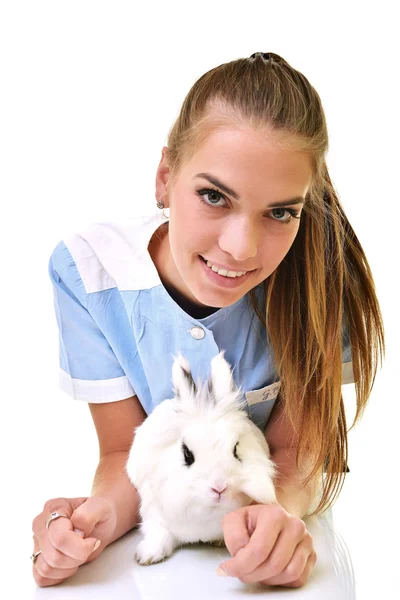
<point x="293" y="214"/>
<point x="214" y="196"/>
<point x="279" y="213"/>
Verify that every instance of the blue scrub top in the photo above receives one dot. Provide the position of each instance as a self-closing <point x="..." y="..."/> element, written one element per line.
<point x="119" y="329"/>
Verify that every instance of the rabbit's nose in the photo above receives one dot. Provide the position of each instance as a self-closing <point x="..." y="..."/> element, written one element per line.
<point x="219" y="489"/>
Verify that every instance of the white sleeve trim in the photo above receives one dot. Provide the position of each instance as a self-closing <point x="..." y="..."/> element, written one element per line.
<point x="347" y="373"/>
<point x="103" y="390"/>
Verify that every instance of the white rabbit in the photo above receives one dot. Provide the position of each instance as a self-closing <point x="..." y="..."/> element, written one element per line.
<point x="195" y="458"/>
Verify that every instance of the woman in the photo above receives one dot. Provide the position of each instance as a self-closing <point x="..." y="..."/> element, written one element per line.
<point x="256" y="257"/>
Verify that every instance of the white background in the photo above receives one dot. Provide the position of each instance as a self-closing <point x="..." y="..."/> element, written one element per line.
<point x="89" y="91"/>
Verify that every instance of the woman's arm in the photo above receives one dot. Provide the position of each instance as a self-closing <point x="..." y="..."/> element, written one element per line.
<point x="111" y="482"/>
<point x="91" y="523"/>
<point x="282" y="439"/>
<point x="270" y="543"/>
<point x="115" y="423"/>
<point x="297" y="499"/>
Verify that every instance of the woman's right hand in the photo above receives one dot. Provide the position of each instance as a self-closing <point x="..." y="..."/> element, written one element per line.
<point x="70" y="542"/>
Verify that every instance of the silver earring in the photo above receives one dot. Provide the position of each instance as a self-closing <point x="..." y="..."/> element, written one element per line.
<point x="160" y="204"/>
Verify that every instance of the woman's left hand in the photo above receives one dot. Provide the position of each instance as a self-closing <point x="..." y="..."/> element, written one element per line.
<point x="268" y="545"/>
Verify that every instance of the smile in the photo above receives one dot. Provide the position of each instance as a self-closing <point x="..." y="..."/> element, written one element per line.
<point x="222" y="271"/>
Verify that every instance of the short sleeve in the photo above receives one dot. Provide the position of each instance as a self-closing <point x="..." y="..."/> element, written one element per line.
<point x="347" y="364"/>
<point x="89" y="369"/>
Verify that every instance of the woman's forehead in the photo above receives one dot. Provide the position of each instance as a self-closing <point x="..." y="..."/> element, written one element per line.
<point x="238" y="159"/>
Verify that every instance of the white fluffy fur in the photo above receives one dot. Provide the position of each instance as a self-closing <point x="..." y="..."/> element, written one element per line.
<point x="178" y="504"/>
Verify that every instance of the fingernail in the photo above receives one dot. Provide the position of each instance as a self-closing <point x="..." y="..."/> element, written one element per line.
<point x="97" y="544"/>
<point x="80" y="532"/>
<point x="220" y="571"/>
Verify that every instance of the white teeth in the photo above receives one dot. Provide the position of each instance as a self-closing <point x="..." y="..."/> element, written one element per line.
<point x="224" y="272"/>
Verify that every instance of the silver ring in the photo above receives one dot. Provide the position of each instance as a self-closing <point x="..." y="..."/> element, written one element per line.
<point x="35" y="555"/>
<point x="54" y="515"/>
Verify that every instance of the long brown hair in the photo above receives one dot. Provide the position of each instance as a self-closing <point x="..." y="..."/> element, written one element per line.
<point x="324" y="285"/>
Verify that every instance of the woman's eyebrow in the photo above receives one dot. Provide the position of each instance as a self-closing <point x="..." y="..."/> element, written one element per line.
<point x="230" y="192"/>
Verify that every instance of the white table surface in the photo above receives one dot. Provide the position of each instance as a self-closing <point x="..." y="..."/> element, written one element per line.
<point x="190" y="572"/>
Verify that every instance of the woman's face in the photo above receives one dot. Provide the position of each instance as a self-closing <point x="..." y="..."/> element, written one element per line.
<point x="240" y="229"/>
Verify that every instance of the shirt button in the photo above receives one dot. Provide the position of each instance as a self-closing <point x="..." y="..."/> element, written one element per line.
<point x="197" y="332"/>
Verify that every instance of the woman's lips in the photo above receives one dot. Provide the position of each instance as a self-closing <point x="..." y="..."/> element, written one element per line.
<point x="236" y="270"/>
<point x="221" y="280"/>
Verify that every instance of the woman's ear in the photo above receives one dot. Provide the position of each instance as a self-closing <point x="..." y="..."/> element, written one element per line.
<point x="162" y="177"/>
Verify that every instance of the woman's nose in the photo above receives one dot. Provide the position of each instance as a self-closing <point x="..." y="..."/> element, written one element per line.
<point x="239" y="239"/>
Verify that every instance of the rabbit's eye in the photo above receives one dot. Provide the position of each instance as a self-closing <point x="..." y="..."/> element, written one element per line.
<point x="234" y="451"/>
<point x="188" y="455"/>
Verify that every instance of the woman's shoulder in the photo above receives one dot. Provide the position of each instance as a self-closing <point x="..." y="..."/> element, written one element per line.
<point x="118" y="235"/>
<point x="111" y="253"/>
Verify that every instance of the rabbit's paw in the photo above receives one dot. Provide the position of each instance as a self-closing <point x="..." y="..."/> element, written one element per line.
<point x="147" y="553"/>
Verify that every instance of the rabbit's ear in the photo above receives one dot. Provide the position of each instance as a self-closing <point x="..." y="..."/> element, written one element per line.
<point x="259" y="469"/>
<point x="222" y="383"/>
<point x="184" y="386"/>
<point x="259" y="483"/>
